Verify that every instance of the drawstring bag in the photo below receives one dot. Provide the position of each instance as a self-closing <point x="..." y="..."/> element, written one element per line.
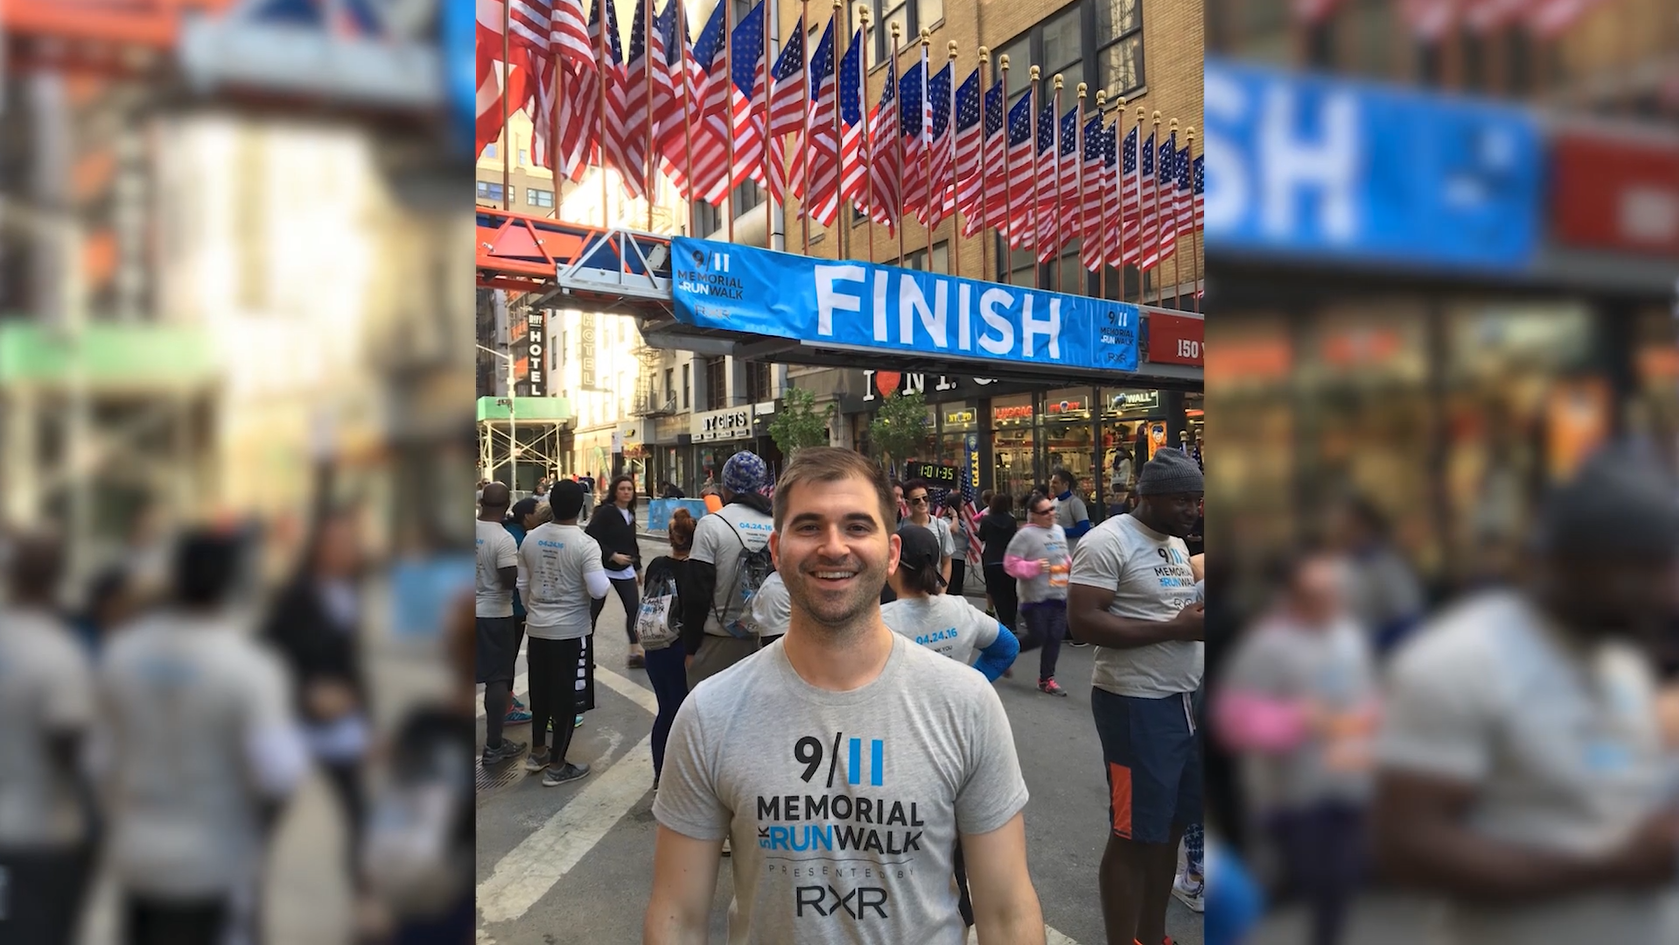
<point x="658" y="623"/>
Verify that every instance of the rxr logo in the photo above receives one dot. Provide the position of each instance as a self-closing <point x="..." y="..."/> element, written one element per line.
<point x="853" y="904"/>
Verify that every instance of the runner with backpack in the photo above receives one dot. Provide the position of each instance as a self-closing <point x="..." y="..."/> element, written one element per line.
<point x="730" y="562"/>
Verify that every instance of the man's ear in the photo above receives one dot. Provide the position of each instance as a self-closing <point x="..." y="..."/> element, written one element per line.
<point x="897" y="545"/>
<point x="775" y="549"/>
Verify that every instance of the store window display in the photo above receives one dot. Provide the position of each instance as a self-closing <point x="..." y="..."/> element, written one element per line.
<point x="1067" y="438"/>
<point x="1014" y="445"/>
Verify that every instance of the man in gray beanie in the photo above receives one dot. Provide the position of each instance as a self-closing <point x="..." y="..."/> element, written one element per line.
<point x="1132" y="593"/>
<point x="1520" y="773"/>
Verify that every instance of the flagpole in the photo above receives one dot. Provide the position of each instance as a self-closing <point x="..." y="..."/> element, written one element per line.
<point x="1142" y="114"/>
<point x="1102" y="199"/>
<point x="1119" y="195"/>
<point x="1194" y="235"/>
<point x="1078" y="163"/>
<point x="764" y="159"/>
<point x="687" y="121"/>
<point x="1055" y="165"/>
<point x="600" y="69"/>
<point x="1038" y="235"/>
<point x="898" y="141"/>
<point x="506" y="106"/>
<point x="804" y="141"/>
<point x="1177" y="234"/>
<point x="984" y="213"/>
<point x="1003" y="270"/>
<point x="1160" y="218"/>
<point x="868" y="143"/>
<point x="554" y="131"/>
<point x="841" y="227"/>
<point x="1030" y="238"/>
<point x="647" y="63"/>
<point x="927" y="138"/>
<point x="729" y="111"/>
<point x="955" y="214"/>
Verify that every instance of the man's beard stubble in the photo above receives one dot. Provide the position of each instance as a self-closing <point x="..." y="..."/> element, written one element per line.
<point x="840" y="619"/>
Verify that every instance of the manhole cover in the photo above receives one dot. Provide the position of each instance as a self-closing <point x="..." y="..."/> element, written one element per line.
<point x="499" y="776"/>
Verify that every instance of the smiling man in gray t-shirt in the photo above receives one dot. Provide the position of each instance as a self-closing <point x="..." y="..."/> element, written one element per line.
<point x="844" y="761"/>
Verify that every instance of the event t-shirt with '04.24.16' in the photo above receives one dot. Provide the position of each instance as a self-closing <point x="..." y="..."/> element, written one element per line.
<point x="844" y="807"/>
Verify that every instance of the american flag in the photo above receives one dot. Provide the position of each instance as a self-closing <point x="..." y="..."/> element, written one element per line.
<point x="854" y="184"/>
<point x="1044" y="171"/>
<point x="1145" y="232"/>
<point x="970" y="185"/>
<point x="1550" y="18"/>
<point x="788" y="108"/>
<point x="710" y="158"/>
<point x="1113" y="234"/>
<point x="1063" y="223"/>
<point x="1159" y="237"/>
<point x="821" y="194"/>
<point x="992" y="201"/>
<point x="886" y="198"/>
<point x="1098" y="148"/>
<point x="1489" y="16"/>
<point x="567" y="30"/>
<point x="1186" y="209"/>
<point x="620" y="150"/>
<point x="647" y="109"/>
<point x="913" y="119"/>
<point x="1200" y="190"/>
<point x="671" y="140"/>
<point x="746" y="67"/>
<point x="941" y="157"/>
<point x="1430" y="20"/>
<point x="492" y="73"/>
<point x="1017" y="216"/>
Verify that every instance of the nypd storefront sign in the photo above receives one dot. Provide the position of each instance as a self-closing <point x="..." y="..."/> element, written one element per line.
<point x="736" y="288"/>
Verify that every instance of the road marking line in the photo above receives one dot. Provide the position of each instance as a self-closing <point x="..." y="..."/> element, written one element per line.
<point x="531" y="869"/>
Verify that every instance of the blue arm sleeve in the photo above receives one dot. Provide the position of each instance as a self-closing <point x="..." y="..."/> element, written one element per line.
<point x="1077" y="531"/>
<point x="999" y="656"/>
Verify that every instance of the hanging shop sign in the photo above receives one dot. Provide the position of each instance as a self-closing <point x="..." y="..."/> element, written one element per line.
<point x="1133" y="401"/>
<point x="1616" y="193"/>
<point x="587" y="345"/>
<point x="957" y="418"/>
<point x="1071" y="405"/>
<point x="730" y="423"/>
<point x="887" y="383"/>
<point x="729" y="287"/>
<point x="939" y="474"/>
<point x="1022" y="412"/>
<point x="1175" y="339"/>
<point x="1324" y="170"/>
<point x="535" y="346"/>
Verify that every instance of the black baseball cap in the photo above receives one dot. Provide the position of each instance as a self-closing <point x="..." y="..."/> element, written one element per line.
<point x="920" y="550"/>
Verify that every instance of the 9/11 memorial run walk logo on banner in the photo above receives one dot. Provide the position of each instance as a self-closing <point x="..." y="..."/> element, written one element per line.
<point x="853" y="304"/>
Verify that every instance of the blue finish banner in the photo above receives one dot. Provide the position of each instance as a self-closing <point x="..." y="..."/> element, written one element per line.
<point x="659" y="511"/>
<point x="854" y="304"/>
<point x="1323" y="168"/>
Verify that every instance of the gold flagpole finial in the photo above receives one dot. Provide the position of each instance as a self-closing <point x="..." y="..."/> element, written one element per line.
<point x="1157" y="118"/>
<point x="926" y="37"/>
<point x="953" y="50"/>
<point x="1058" y="82"/>
<point x="1083" y="89"/>
<point x="985" y="55"/>
<point x="1003" y="62"/>
<point x="897" y="29"/>
<point x="1102" y="99"/>
<point x="1034" y="73"/>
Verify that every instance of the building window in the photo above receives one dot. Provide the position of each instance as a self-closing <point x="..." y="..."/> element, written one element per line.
<point x="687" y="385"/>
<point x="489" y="192"/>
<point x="490" y="151"/>
<point x="524" y="157"/>
<point x="537" y="197"/>
<point x="918" y="259"/>
<point x="1098" y="42"/>
<point x="745" y="197"/>
<point x="670" y="385"/>
<point x="707" y="219"/>
<point x="758" y="375"/>
<point x="716" y="383"/>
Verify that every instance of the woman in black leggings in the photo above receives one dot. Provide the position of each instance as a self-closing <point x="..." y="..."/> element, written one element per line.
<point x="613" y="525"/>
<point x="996" y="528"/>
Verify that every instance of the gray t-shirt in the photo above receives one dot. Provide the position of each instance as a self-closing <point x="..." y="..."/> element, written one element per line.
<point x="946" y="623"/>
<point x="46" y="690"/>
<point x="197" y="727"/>
<point x="553" y="562"/>
<point x="844" y="807"/>
<point x="1035" y="544"/>
<point x="1069" y="512"/>
<point x="718" y="540"/>
<point x="1560" y="743"/>
<point x="772" y="609"/>
<point x="1331" y="666"/>
<point x="496" y="550"/>
<point x="1150" y="576"/>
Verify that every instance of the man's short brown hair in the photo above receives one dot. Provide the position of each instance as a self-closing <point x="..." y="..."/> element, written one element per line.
<point x="815" y="464"/>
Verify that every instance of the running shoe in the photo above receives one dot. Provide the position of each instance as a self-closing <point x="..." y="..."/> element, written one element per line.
<point x="507" y="750"/>
<point x="1191" y="891"/>
<point x="518" y="715"/>
<point x="536" y="760"/>
<point x="726" y="850"/>
<point x="558" y="776"/>
<point x="577" y="722"/>
<point x="1051" y="687"/>
<point x="1077" y="643"/>
<point x="517" y="704"/>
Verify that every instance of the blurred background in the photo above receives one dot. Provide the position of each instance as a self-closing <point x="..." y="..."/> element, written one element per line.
<point x="1443" y="245"/>
<point x="235" y="284"/>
